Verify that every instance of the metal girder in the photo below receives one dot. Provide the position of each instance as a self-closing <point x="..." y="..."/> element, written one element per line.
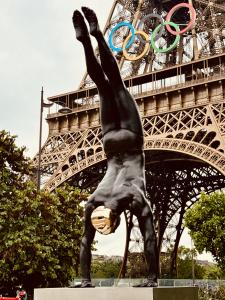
<point x="197" y="131"/>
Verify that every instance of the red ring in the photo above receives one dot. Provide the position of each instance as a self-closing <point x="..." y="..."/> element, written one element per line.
<point x="192" y="18"/>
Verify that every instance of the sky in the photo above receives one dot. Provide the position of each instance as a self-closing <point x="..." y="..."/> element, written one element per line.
<point x="38" y="48"/>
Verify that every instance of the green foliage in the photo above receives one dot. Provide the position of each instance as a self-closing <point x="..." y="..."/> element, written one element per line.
<point x="40" y="237"/>
<point x="184" y="264"/>
<point x="213" y="272"/>
<point x="14" y="167"/>
<point x="185" y="261"/>
<point x="212" y="293"/>
<point x="220" y="293"/>
<point x="137" y="266"/>
<point x="184" y="269"/>
<point x="40" y="232"/>
<point x="206" y="221"/>
<point x="105" y="269"/>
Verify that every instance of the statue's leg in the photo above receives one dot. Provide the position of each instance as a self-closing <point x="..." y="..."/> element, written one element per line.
<point x="108" y="109"/>
<point x="150" y="246"/>
<point x="85" y="248"/>
<point x="108" y="61"/>
<point x="127" y="111"/>
<point x="93" y="67"/>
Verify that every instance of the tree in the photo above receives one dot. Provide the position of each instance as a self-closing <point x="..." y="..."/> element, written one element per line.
<point x="40" y="237"/>
<point x="213" y="272"/>
<point x="14" y="167"/>
<point x="184" y="266"/>
<point x="185" y="259"/>
<point x="205" y="221"/>
<point x="40" y="232"/>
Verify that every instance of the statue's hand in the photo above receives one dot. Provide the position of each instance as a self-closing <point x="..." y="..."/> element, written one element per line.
<point x="147" y="283"/>
<point x="86" y="284"/>
<point x="83" y="284"/>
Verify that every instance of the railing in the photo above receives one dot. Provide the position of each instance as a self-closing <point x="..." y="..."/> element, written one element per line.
<point x="128" y="282"/>
<point x="215" y="73"/>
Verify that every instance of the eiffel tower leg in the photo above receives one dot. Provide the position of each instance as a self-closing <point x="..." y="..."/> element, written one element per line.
<point x="173" y="265"/>
<point x="129" y="224"/>
<point x="85" y="247"/>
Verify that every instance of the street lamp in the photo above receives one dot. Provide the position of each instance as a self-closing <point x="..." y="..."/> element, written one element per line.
<point x="63" y="110"/>
<point x="193" y="263"/>
<point x="43" y="104"/>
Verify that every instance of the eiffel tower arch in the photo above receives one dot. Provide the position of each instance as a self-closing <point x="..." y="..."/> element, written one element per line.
<point x="180" y="96"/>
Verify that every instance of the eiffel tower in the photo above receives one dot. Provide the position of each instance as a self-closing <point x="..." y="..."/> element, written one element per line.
<point x="180" y="95"/>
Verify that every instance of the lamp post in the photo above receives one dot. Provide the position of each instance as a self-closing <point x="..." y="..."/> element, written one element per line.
<point x="63" y="110"/>
<point x="193" y="263"/>
<point x="43" y="104"/>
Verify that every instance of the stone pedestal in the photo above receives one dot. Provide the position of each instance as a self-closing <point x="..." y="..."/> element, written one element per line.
<point x="117" y="293"/>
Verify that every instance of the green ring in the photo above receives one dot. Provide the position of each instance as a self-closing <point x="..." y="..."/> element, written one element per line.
<point x="155" y="32"/>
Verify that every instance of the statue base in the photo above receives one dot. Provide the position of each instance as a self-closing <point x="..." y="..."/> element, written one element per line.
<point x="117" y="293"/>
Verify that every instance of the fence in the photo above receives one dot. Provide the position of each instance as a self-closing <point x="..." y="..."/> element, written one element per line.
<point x="202" y="283"/>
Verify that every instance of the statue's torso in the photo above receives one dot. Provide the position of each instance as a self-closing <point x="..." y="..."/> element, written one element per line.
<point x="122" y="141"/>
<point x="124" y="181"/>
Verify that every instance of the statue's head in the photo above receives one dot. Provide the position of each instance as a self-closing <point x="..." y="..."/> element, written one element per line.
<point x="104" y="220"/>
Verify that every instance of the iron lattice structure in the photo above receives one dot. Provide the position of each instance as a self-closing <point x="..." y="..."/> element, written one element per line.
<point x="180" y="96"/>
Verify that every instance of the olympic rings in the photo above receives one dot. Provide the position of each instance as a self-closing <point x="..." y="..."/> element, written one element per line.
<point x="144" y="19"/>
<point x="192" y="18"/>
<point x="147" y="46"/>
<point x="114" y="30"/>
<point x="156" y="34"/>
<point x="171" y="47"/>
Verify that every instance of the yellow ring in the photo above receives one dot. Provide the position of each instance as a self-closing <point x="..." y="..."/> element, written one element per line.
<point x="125" y="53"/>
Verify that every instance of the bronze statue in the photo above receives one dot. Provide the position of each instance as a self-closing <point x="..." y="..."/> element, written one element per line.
<point x="123" y="186"/>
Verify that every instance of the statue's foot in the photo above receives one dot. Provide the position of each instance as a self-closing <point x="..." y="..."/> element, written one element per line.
<point x="92" y="20"/>
<point x="147" y="283"/>
<point x="80" y="26"/>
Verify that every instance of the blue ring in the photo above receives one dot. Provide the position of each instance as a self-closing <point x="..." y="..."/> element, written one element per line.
<point x="114" y="30"/>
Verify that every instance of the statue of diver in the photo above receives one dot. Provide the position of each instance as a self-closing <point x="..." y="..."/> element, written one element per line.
<point x="123" y="186"/>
